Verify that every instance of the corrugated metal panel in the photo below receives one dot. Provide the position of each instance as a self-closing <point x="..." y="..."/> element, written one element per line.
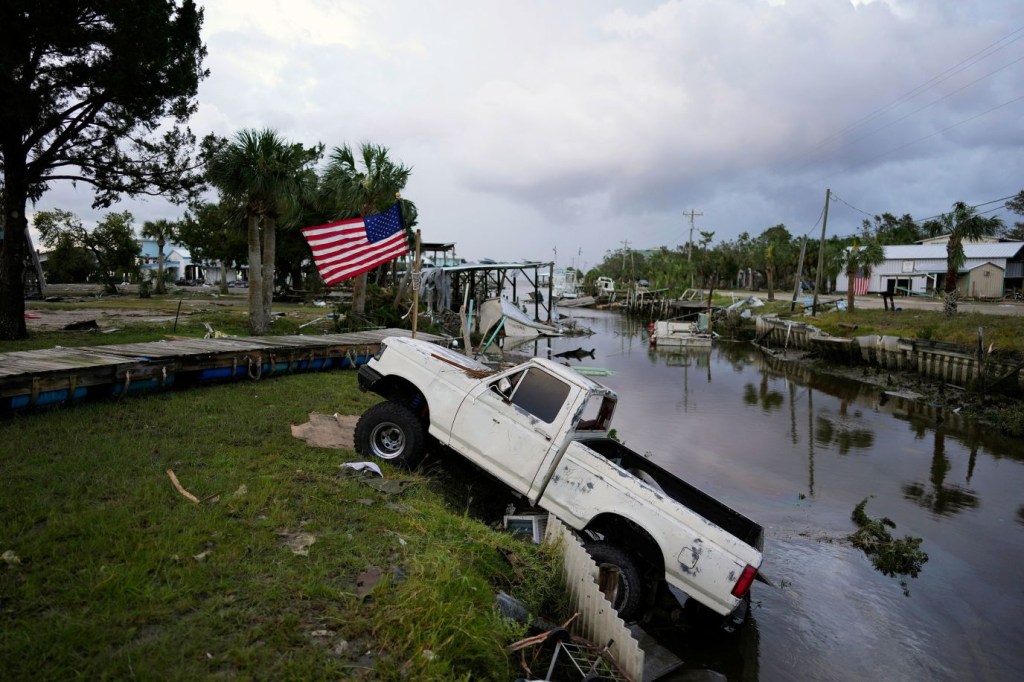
<point x="1015" y="269"/>
<point x="598" y="621"/>
<point x="985" y="251"/>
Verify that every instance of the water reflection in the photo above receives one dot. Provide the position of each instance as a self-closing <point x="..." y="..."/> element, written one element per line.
<point x="797" y="450"/>
<point x="768" y="399"/>
<point x="941" y="498"/>
<point x="840" y="433"/>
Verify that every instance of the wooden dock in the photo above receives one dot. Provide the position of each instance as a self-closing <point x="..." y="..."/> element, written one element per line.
<point x="59" y="375"/>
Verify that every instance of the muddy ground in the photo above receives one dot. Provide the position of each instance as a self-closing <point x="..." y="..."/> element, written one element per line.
<point x="48" y="319"/>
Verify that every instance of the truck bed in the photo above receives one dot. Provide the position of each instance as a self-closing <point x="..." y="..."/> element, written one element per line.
<point x="682" y="492"/>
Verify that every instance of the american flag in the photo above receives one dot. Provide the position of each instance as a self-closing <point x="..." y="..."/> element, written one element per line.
<point x="351" y="247"/>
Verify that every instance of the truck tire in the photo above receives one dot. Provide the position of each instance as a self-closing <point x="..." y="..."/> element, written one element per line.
<point x="629" y="595"/>
<point x="391" y="432"/>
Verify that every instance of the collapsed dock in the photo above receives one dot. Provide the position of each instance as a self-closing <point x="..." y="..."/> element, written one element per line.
<point x="56" y="376"/>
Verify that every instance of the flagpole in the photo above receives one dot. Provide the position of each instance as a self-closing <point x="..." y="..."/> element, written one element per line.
<point x="416" y="286"/>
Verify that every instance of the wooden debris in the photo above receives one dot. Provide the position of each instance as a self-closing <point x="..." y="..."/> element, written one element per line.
<point x="177" y="486"/>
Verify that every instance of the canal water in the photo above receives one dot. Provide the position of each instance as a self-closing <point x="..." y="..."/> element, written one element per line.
<point x="797" y="452"/>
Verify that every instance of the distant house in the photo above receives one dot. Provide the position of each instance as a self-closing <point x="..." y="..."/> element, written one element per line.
<point x="991" y="269"/>
<point x="178" y="262"/>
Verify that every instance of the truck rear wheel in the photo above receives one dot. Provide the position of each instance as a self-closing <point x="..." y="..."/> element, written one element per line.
<point x="391" y="432"/>
<point x="630" y="592"/>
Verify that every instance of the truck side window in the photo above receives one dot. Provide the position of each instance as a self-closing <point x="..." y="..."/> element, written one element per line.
<point x="540" y="394"/>
<point x="506" y="385"/>
<point x="596" y="415"/>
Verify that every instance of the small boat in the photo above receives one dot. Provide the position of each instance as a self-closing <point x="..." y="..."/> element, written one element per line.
<point x="681" y="334"/>
<point x="514" y="321"/>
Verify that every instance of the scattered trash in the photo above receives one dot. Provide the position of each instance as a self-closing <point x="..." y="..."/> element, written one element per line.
<point x="312" y="322"/>
<point x="748" y="302"/>
<point x="212" y="333"/>
<point x="84" y="325"/>
<point x="530" y="525"/>
<point x="242" y="490"/>
<point x="387" y="487"/>
<point x="10" y="558"/>
<point x="511" y="607"/>
<point x="363" y="466"/>
<point x="588" y="371"/>
<point x="367" y="580"/>
<point x="298" y="543"/>
<point x="202" y="555"/>
<point x="327" y="431"/>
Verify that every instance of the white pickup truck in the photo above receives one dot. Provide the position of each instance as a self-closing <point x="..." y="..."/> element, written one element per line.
<point x="543" y="429"/>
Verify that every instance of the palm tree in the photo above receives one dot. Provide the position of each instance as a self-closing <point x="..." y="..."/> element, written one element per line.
<point x="267" y="176"/>
<point x="864" y="253"/>
<point x="963" y="224"/>
<point x="777" y="254"/>
<point x="161" y="231"/>
<point x="350" y="191"/>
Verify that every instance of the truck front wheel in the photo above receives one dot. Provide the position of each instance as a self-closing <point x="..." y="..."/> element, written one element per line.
<point x="630" y="592"/>
<point x="391" y="432"/>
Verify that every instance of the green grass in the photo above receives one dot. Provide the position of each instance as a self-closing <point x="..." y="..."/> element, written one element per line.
<point x="109" y="586"/>
<point x="1003" y="331"/>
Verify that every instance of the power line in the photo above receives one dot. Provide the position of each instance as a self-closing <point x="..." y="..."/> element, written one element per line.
<point x="934" y="102"/>
<point x="986" y="203"/>
<point x="939" y="132"/>
<point x="822" y="213"/>
<point x="985" y="52"/>
<point x="834" y="197"/>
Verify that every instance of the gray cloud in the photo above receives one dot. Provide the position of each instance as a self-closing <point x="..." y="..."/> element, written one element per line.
<point x="579" y="124"/>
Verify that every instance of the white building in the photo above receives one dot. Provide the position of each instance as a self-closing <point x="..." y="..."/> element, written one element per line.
<point x="991" y="269"/>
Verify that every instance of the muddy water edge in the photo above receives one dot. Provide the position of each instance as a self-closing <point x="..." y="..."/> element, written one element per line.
<point x="797" y="451"/>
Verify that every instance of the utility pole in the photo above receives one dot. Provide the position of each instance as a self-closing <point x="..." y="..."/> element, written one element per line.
<point x="689" y="248"/>
<point x="799" y="274"/>
<point x="821" y="253"/>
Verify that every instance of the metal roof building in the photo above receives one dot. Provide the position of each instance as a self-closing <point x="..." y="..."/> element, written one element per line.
<point x="990" y="270"/>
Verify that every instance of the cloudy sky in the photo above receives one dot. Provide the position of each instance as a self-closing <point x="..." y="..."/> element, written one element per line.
<point x="581" y="125"/>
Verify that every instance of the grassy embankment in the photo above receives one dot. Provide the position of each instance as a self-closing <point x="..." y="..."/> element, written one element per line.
<point x="111" y="573"/>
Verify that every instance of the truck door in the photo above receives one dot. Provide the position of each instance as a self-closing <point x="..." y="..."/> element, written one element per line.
<point x="508" y="425"/>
